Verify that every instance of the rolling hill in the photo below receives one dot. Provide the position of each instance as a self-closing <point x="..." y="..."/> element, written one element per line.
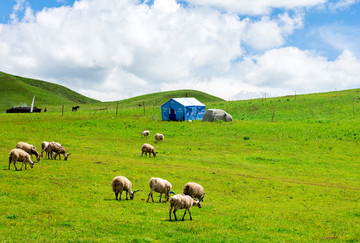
<point x="19" y="91"/>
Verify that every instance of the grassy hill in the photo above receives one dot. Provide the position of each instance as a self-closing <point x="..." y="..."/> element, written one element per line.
<point x="160" y="98"/>
<point x="19" y="91"/>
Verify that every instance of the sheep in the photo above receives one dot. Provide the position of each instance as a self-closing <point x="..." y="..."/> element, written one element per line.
<point x="145" y="133"/>
<point x="159" y="137"/>
<point x="55" y="149"/>
<point x="194" y="190"/>
<point x="161" y="186"/>
<point x="120" y="184"/>
<point x="20" y="155"/>
<point x="181" y="201"/>
<point x="44" y="145"/>
<point x="147" y="148"/>
<point x="28" y="148"/>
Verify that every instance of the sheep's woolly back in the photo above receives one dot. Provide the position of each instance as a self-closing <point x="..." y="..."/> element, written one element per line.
<point x="19" y="155"/>
<point x="160" y="185"/>
<point x="180" y="201"/>
<point x="194" y="190"/>
<point x="121" y="183"/>
<point x="147" y="148"/>
<point x="26" y="147"/>
<point x="159" y="137"/>
<point x="44" y="145"/>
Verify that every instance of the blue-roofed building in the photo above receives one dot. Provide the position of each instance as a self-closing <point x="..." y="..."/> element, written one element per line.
<point x="182" y="109"/>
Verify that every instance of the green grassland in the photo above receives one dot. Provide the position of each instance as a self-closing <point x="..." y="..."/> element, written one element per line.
<point x="286" y="169"/>
<point x="19" y="91"/>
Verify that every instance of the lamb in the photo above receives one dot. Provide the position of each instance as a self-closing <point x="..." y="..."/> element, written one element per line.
<point x="44" y="145"/>
<point x="28" y="148"/>
<point x="181" y="201"/>
<point x="194" y="190"/>
<point x="145" y="133"/>
<point x="55" y="149"/>
<point x="147" y="148"/>
<point x="120" y="184"/>
<point x="161" y="186"/>
<point x="159" y="137"/>
<point x="20" y="155"/>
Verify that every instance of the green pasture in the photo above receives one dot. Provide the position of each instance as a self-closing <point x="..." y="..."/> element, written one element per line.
<point x="285" y="170"/>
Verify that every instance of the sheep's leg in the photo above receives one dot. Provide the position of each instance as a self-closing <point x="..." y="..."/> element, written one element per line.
<point x="22" y="165"/>
<point x="150" y="194"/>
<point x="160" y="197"/>
<point x="189" y="214"/>
<point x="175" y="214"/>
<point x="170" y="213"/>
<point x="9" y="161"/>
<point x="116" y="195"/>
<point x="142" y="153"/>
<point x="127" y="195"/>
<point x="120" y="195"/>
<point x="184" y="215"/>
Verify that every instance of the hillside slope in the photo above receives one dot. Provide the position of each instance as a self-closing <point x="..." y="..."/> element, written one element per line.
<point x="162" y="97"/>
<point x="19" y="91"/>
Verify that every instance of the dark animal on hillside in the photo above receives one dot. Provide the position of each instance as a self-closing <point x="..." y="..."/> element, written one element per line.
<point x="75" y="108"/>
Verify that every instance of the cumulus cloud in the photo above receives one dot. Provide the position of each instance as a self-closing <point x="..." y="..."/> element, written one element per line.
<point x="255" y="7"/>
<point x="114" y="49"/>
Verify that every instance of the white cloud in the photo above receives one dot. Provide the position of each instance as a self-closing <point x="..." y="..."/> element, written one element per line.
<point x="114" y="49"/>
<point x="341" y="4"/>
<point x="255" y="7"/>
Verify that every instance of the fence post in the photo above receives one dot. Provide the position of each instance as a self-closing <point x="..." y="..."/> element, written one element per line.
<point x="144" y="107"/>
<point x="117" y="107"/>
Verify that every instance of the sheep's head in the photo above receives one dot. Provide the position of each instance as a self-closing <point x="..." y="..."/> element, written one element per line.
<point x="154" y="153"/>
<point x="34" y="152"/>
<point x="66" y="156"/>
<point x="133" y="193"/>
<point x="31" y="164"/>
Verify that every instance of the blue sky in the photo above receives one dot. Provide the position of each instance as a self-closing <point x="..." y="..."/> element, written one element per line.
<point x="234" y="49"/>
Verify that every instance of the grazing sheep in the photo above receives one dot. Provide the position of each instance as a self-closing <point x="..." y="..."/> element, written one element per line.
<point x="44" y="145"/>
<point x="159" y="137"/>
<point x="145" y="133"/>
<point x="20" y="155"/>
<point x="147" y="148"/>
<point x="120" y="184"/>
<point x="161" y="186"/>
<point x="28" y="148"/>
<point x="194" y="190"/>
<point x="55" y="149"/>
<point x="181" y="201"/>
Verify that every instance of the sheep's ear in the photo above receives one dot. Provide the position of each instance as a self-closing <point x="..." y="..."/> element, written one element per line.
<point x="172" y="192"/>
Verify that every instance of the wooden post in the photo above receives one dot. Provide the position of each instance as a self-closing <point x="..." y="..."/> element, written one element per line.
<point x="62" y="111"/>
<point x="273" y="115"/>
<point x="117" y="107"/>
<point x="144" y="107"/>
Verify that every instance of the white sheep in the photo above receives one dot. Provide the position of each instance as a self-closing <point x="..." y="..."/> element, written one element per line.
<point x="19" y="155"/>
<point x="194" y="190"/>
<point x="161" y="186"/>
<point x="147" y="148"/>
<point x="159" y="137"/>
<point x="145" y="133"/>
<point x="28" y="148"/>
<point x="54" y="149"/>
<point x="44" y="146"/>
<point x="120" y="184"/>
<point x="181" y="201"/>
